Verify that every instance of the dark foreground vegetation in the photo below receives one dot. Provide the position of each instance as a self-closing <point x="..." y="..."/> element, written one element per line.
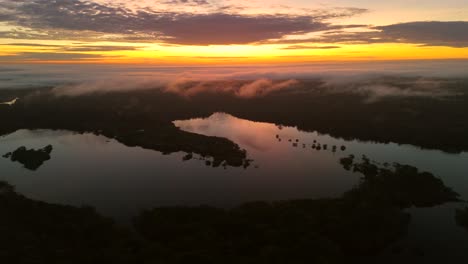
<point x="144" y="117"/>
<point x="356" y="227"/>
<point x="38" y="232"/>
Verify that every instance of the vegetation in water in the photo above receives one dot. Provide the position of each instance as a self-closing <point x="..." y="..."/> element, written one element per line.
<point x="31" y="159"/>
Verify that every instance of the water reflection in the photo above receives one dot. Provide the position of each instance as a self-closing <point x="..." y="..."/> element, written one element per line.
<point x="273" y="145"/>
<point x="256" y="136"/>
<point x="355" y="227"/>
<point x="120" y="181"/>
<point x="432" y="231"/>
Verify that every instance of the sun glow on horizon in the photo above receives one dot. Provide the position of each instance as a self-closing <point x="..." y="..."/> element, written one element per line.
<point x="233" y="54"/>
<point x="230" y="31"/>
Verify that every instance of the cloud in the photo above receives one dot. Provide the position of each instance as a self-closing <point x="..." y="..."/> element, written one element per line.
<point x="371" y="89"/>
<point x="429" y="33"/>
<point x="263" y="87"/>
<point x="302" y="47"/>
<point x="454" y="34"/>
<point x="182" y="86"/>
<point x="31" y="45"/>
<point x="105" y="86"/>
<point x="99" y="48"/>
<point x="80" y="19"/>
<point x="241" y="88"/>
<point x="187" y="2"/>
<point x="377" y="92"/>
<point x="79" y="48"/>
<point x="238" y="29"/>
<point x="50" y="56"/>
<point x="218" y="25"/>
<point x="378" y="88"/>
<point x="187" y="81"/>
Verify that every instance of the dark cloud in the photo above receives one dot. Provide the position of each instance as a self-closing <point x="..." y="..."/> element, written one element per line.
<point x="75" y="19"/>
<point x="5" y="17"/>
<point x="79" y="48"/>
<point x="434" y="33"/>
<point x="31" y="45"/>
<point x="231" y="9"/>
<point x="332" y="29"/>
<point x="431" y="33"/>
<point x="237" y="29"/>
<point x="49" y="56"/>
<point x="89" y="21"/>
<point x="187" y="2"/>
<point x="100" y="48"/>
<point x="303" y="47"/>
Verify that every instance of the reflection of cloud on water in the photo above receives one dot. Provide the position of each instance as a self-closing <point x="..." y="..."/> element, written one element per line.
<point x="266" y="140"/>
<point x="253" y="142"/>
<point x="39" y="134"/>
<point x="60" y="137"/>
<point x="249" y="134"/>
<point x="85" y="139"/>
<point x="203" y="127"/>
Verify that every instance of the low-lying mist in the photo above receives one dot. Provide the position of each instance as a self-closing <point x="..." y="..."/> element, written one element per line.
<point x="184" y="87"/>
<point x="374" y="81"/>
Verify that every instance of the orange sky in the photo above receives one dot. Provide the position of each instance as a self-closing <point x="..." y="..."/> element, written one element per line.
<point x="191" y="32"/>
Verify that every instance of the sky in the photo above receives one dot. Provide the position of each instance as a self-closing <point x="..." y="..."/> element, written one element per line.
<point x="194" y="32"/>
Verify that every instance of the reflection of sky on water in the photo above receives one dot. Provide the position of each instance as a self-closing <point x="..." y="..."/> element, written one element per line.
<point x="432" y="230"/>
<point x="260" y="141"/>
<point x="118" y="180"/>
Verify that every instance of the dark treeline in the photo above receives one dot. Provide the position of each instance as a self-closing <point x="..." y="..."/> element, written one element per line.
<point x="433" y="123"/>
<point x="119" y="116"/>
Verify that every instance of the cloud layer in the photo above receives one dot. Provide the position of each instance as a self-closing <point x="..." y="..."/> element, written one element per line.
<point x="80" y="19"/>
<point x="180" y="86"/>
<point x="428" y="33"/>
<point x="45" y="56"/>
<point x="416" y="80"/>
<point x="96" y="30"/>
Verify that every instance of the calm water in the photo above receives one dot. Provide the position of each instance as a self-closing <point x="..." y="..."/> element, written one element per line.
<point x="120" y="181"/>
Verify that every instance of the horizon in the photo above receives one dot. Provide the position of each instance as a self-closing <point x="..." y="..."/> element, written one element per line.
<point x="209" y="32"/>
<point x="233" y="131"/>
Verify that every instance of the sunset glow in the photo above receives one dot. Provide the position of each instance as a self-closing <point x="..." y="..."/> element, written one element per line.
<point x="176" y="32"/>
